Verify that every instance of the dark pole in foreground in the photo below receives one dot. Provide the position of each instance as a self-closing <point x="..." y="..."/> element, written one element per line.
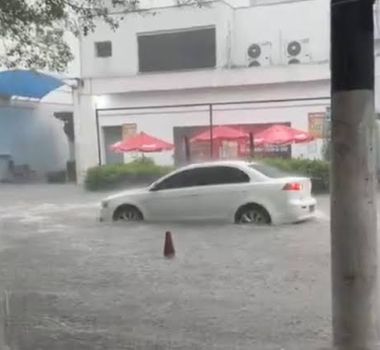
<point x="353" y="199"/>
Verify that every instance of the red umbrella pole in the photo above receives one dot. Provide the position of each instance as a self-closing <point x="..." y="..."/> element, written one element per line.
<point x="187" y="149"/>
<point x="251" y="145"/>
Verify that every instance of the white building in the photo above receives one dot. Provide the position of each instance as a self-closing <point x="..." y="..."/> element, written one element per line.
<point x="174" y="58"/>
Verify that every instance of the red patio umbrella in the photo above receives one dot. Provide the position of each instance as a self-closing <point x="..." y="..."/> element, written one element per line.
<point x="221" y="133"/>
<point x="282" y="135"/>
<point x="142" y="142"/>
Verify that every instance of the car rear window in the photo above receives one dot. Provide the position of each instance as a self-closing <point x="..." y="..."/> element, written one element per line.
<point x="268" y="171"/>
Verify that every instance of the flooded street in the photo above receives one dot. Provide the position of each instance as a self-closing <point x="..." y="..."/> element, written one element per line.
<point x="68" y="280"/>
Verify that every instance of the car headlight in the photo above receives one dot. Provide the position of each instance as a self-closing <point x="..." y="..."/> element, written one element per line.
<point x="104" y="204"/>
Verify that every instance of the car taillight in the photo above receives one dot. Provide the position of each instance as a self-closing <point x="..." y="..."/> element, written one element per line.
<point x="293" y="186"/>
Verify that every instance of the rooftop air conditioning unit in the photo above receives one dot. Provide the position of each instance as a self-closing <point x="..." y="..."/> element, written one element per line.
<point x="297" y="51"/>
<point x="259" y="54"/>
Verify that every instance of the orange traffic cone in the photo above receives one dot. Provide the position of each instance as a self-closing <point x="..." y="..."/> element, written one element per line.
<point x="169" y="251"/>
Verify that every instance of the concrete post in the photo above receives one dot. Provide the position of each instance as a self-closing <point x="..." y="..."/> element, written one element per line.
<point x="353" y="207"/>
<point x="86" y="149"/>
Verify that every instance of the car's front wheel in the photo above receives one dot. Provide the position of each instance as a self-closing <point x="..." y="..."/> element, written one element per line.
<point x="128" y="213"/>
<point x="252" y="214"/>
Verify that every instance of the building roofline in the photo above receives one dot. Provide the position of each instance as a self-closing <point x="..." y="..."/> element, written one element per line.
<point x="206" y="4"/>
<point x="154" y="9"/>
<point x="283" y="2"/>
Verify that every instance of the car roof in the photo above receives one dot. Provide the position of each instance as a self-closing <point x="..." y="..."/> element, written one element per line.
<point x="231" y="163"/>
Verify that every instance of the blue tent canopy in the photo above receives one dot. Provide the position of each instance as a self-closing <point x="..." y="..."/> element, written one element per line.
<point x="27" y="83"/>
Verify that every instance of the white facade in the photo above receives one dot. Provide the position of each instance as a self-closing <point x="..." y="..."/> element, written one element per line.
<point x="288" y="93"/>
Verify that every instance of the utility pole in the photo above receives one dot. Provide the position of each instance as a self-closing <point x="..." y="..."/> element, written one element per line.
<point x="353" y="199"/>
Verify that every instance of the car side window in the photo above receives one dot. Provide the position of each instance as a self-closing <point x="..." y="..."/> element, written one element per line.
<point x="178" y="180"/>
<point x="238" y="176"/>
<point x="218" y="175"/>
<point x="223" y="175"/>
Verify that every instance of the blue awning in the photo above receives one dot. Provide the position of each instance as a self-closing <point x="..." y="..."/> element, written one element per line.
<point x="27" y="83"/>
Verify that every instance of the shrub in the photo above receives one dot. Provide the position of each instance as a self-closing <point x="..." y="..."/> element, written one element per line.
<point x="142" y="170"/>
<point x="317" y="170"/>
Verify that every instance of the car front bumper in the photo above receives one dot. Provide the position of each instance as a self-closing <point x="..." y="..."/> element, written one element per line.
<point x="106" y="214"/>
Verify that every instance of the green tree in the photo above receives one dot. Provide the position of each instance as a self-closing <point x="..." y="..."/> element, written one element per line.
<point x="33" y="31"/>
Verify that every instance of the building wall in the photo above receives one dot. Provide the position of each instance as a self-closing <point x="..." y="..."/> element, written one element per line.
<point x="236" y="29"/>
<point x="160" y="122"/>
<point x="124" y="60"/>
<point x="115" y="81"/>
<point x="281" y="24"/>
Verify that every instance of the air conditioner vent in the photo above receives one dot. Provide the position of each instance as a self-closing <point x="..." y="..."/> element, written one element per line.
<point x="259" y="54"/>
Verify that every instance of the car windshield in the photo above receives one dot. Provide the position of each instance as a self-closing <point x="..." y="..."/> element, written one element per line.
<point x="267" y="170"/>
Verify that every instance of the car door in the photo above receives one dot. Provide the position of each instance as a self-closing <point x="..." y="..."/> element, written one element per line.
<point x="174" y="198"/>
<point x="224" y="190"/>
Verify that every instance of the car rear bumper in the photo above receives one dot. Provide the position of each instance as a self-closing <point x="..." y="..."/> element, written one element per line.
<point x="298" y="210"/>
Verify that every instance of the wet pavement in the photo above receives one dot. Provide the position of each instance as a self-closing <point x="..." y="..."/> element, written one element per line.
<point x="69" y="282"/>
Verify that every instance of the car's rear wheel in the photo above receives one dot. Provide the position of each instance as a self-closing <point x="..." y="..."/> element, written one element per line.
<point x="252" y="214"/>
<point x="128" y="213"/>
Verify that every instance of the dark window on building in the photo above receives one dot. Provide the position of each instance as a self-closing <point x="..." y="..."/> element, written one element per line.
<point x="190" y="49"/>
<point x="103" y="49"/>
